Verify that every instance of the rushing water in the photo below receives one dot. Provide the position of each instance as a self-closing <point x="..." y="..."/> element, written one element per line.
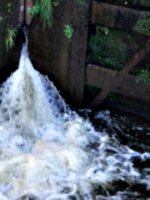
<point x="48" y="152"/>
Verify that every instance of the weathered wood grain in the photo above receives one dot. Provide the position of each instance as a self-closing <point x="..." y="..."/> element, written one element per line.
<point x="114" y="16"/>
<point x="78" y="50"/>
<point x="131" y="86"/>
<point x="120" y="76"/>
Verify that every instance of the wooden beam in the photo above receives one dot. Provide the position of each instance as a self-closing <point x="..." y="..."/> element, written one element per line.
<point x="60" y="45"/>
<point x="120" y="76"/>
<point x="131" y="86"/>
<point x="28" y="6"/>
<point x="17" y="13"/>
<point x="114" y="16"/>
<point x="78" y="50"/>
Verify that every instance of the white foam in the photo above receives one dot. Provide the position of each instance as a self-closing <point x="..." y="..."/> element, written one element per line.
<point x="49" y="152"/>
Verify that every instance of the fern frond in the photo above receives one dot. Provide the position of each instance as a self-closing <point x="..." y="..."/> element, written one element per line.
<point x="11" y="34"/>
<point x="46" y="13"/>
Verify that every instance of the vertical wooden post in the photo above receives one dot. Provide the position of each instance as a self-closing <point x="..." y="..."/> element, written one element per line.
<point x="78" y="50"/>
<point x="17" y="13"/>
<point x="61" y="45"/>
<point x="28" y="6"/>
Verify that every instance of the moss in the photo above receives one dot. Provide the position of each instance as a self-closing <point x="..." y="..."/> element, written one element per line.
<point x="109" y="49"/>
<point x="143" y="24"/>
<point x="144" y="76"/>
<point x="81" y="2"/>
<point x="144" y="3"/>
<point x="113" y="49"/>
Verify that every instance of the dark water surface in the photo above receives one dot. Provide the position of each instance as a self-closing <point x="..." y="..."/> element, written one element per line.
<point x="132" y="131"/>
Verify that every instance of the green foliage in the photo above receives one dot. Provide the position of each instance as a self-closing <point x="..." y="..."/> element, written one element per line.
<point x="9" y="7"/>
<point x="44" y="9"/>
<point x="143" y="24"/>
<point x="104" y="30"/>
<point x="46" y="13"/>
<point x="144" y="76"/>
<point x="144" y="3"/>
<point x="34" y="10"/>
<point x="107" y="48"/>
<point x="11" y="33"/>
<point x="81" y="2"/>
<point x="68" y="30"/>
<point x="56" y="3"/>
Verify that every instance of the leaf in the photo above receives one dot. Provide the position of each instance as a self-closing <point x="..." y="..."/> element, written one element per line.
<point x="11" y="33"/>
<point x="9" y="5"/>
<point x="68" y="30"/>
<point x="56" y="3"/>
<point x="106" y="31"/>
<point x="9" y="10"/>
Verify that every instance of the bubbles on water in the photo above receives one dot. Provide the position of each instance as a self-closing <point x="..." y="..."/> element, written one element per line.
<point x="48" y="152"/>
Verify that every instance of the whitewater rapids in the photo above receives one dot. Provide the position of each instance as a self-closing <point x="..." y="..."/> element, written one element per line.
<point x="48" y="152"/>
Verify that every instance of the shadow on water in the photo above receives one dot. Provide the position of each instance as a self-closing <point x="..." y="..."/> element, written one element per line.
<point x="132" y="130"/>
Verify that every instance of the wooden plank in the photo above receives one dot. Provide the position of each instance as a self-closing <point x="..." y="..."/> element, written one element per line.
<point x="60" y="45"/>
<point x="120" y="76"/>
<point x="28" y="6"/>
<point x="50" y="47"/>
<point x="17" y="13"/>
<point x="131" y="86"/>
<point x="78" y="50"/>
<point x="114" y="16"/>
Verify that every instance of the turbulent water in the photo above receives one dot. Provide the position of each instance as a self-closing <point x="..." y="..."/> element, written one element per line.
<point x="48" y="152"/>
